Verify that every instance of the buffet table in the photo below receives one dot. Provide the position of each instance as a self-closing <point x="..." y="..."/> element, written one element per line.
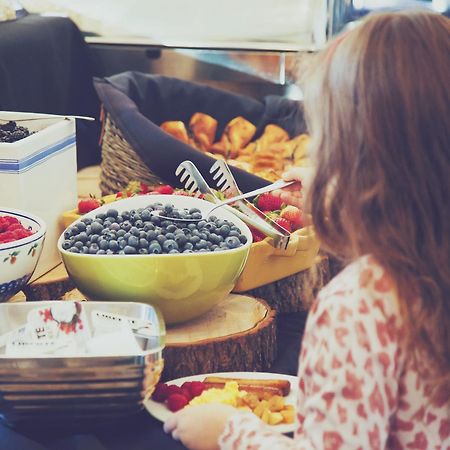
<point x="141" y="432"/>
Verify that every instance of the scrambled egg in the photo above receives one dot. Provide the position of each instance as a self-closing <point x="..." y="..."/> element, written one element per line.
<point x="228" y="395"/>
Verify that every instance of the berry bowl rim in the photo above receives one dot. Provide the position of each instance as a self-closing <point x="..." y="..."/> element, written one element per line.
<point x="243" y="226"/>
<point x="37" y="235"/>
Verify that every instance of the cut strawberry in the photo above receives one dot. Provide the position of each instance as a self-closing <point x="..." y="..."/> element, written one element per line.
<point x="160" y="393"/>
<point x="284" y="223"/>
<point x="268" y="202"/>
<point x="175" y="402"/>
<point x="293" y="215"/>
<point x="84" y="206"/>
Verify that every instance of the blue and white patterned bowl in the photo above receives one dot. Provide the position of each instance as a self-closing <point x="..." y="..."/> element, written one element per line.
<point x="19" y="259"/>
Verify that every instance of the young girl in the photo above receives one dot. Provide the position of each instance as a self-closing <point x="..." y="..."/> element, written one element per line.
<point x="375" y="361"/>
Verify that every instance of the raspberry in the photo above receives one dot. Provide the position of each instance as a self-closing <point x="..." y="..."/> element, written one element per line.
<point x="174" y="389"/>
<point x="160" y="393"/>
<point x="268" y="202"/>
<point x="176" y="402"/>
<point x="196" y="388"/>
<point x="84" y="206"/>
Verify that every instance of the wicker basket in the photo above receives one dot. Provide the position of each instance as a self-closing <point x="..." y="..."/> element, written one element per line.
<point x="120" y="163"/>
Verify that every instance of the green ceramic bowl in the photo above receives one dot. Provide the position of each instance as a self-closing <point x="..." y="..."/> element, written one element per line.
<point x="182" y="286"/>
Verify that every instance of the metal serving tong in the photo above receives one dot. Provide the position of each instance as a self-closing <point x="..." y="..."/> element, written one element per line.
<point x="194" y="182"/>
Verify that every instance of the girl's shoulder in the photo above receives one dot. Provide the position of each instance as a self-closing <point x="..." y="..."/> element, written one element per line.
<point x="361" y="288"/>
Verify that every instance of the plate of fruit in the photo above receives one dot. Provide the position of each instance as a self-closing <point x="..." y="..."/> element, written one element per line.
<point x="271" y="397"/>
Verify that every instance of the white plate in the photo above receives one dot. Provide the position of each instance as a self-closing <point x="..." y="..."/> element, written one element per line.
<point x="162" y="413"/>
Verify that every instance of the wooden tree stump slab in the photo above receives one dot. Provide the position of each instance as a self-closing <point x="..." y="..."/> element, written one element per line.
<point x="53" y="285"/>
<point x="287" y="295"/>
<point x="238" y="334"/>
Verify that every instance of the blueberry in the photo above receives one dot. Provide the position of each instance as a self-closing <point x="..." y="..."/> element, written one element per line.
<point x="154" y="248"/>
<point x="201" y="224"/>
<point x="155" y="220"/>
<point x="168" y="208"/>
<point x="170" y="236"/>
<point x="202" y="250"/>
<point x="93" y="249"/>
<point x="143" y="243"/>
<point x="188" y="251"/>
<point x="194" y="210"/>
<point x="171" y="228"/>
<point x="101" y="216"/>
<point x="74" y="250"/>
<point x="218" y="249"/>
<point x="211" y="226"/>
<point x="139" y="224"/>
<point x="233" y="242"/>
<point x="67" y="234"/>
<point x="215" y="238"/>
<point x="112" y="213"/>
<point x="125" y="215"/>
<point x="180" y="239"/>
<point x="133" y="241"/>
<point x="194" y="239"/>
<point x="119" y="219"/>
<point x="166" y="223"/>
<point x="120" y="233"/>
<point x="113" y="245"/>
<point x="174" y="250"/>
<point x="148" y="226"/>
<point x="161" y="239"/>
<point x="129" y="250"/>
<point x="192" y="226"/>
<point x="114" y="227"/>
<point x="143" y="251"/>
<point x="234" y="233"/>
<point x="212" y="218"/>
<point x="243" y="238"/>
<point x="146" y="215"/>
<point x="170" y="244"/>
<point x="78" y="245"/>
<point x="66" y="245"/>
<point x="224" y="230"/>
<point x="134" y="231"/>
<point x="101" y="252"/>
<point x="188" y="246"/>
<point x="122" y="243"/>
<point x="103" y="244"/>
<point x="151" y="235"/>
<point x="85" y="249"/>
<point x="126" y="236"/>
<point x="126" y="226"/>
<point x="142" y="234"/>
<point x="86" y="220"/>
<point x="82" y="237"/>
<point x="197" y="216"/>
<point x="81" y="226"/>
<point x="96" y="227"/>
<point x="200" y="244"/>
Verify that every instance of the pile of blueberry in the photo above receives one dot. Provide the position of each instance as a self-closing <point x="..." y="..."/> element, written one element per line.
<point x="141" y="232"/>
<point x="11" y="132"/>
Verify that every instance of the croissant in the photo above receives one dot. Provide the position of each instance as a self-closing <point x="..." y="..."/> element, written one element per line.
<point x="203" y="129"/>
<point x="176" y="129"/>
<point x="272" y="134"/>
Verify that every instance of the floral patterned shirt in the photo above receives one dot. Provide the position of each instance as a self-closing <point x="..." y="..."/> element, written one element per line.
<point x="356" y="387"/>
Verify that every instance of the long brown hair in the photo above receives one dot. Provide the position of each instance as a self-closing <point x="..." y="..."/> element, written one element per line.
<point x="378" y="108"/>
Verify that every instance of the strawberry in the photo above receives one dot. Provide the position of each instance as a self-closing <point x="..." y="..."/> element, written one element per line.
<point x="175" y="402"/>
<point x="160" y="393"/>
<point x="283" y="222"/>
<point x="293" y="215"/>
<point x="163" y="189"/>
<point x="84" y="206"/>
<point x="268" y="202"/>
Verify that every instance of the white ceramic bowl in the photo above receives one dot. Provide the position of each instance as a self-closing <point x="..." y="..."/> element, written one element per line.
<point x="18" y="259"/>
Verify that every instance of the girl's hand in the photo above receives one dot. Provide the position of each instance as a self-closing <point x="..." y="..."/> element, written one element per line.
<point x="293" y="194"/>
<point x="199" y="427"/>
